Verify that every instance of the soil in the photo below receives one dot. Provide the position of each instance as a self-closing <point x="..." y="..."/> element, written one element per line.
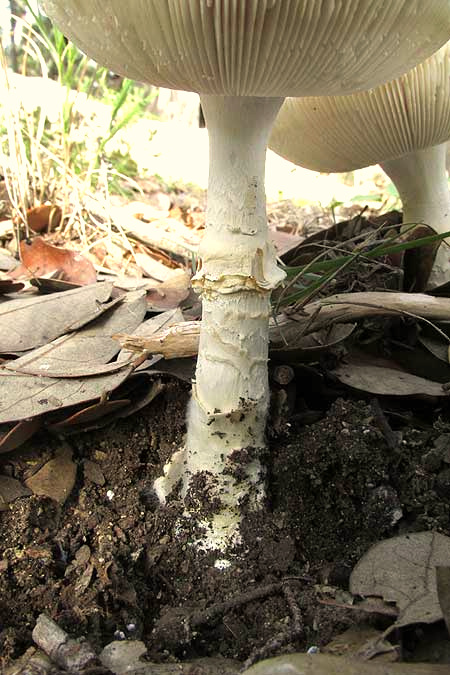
<point x="109" y="564"/>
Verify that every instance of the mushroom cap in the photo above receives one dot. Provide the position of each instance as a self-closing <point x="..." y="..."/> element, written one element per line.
<point x="342" y="133"/>
<point x="256" y="47"/>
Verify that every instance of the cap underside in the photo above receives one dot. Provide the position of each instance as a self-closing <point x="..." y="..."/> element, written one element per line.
<point x="342" y="133"/>
<point x="256" y="47"/>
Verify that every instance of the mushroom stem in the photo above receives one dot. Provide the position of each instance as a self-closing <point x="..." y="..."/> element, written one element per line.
<point x="221" y="468"/>
<point x="421" y="180"/>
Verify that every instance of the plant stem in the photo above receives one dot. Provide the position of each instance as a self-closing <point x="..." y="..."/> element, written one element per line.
<point x="421" y="180"/>
<point x="237" y="272"/>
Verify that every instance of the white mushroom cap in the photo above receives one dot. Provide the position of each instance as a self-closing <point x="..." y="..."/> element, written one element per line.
<point x="342" y="133"/>
<point x="256" y="47"/>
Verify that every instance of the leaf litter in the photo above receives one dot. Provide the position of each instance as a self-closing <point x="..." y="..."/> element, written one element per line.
<point x="327" y="329"/>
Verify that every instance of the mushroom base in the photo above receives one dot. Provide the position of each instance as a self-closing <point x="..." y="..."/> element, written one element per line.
<point x="421" y="180"/>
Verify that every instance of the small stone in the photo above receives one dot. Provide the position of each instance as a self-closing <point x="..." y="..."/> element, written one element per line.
<point x="93" y="472"/>
<point x="56" y="478"/>
<point x="82" y="555"/>
<point x="313" y="650"/>
<point x="121" y="656"/>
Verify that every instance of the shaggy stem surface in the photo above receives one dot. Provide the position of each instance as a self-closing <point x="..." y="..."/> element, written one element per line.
<point x="220" y="467"/>
<point x="421" y="180"/>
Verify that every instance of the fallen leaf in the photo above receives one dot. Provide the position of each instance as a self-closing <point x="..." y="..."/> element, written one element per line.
<point x="436" y="345"/>
<point x="10" y="286"/>
<point x="45" y="285"/>
<point x="166" y="233"/>
<point x="23" y="396"/>
<point x="384" y="378"/>
<point x="323" y="664"/>
<point x="363" y="642"/>
<point x="402" y="570"/>
<point x="87" y="351"/>
<point x="7" y="262"/>
<point x="144" y="390"/>
<point x="28" y="322"/>
<point x="40" y="259"/>
<point x="76" y="421"/>
<point x="310" y="346"/>
<point x="44" y="218"/>
<point x="170" y="293"/>
<point x="56" y="478"/>
<point x="20" y="432"/>
<point x="283" y="241"/>
<point x="11" y="489"/>
<point x="182" y="369"/>
<point x="152" y="268"/>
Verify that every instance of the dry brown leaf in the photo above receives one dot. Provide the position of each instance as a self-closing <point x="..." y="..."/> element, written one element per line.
<point x="20" y="432"/>
<point x="23" y="396"/>
<point x="166" y="233"/>
<point x="363" y="642"/>
<point x="7" y="262"/>
<point x="322" y="664"/>
<point x="86" y="415"/>
<point x="40" y="259"/>
<point x="436" y="345"/>
<point x="87" y="351"/>
<point x="32" y="321"/>
<point x="384" y="378"/>
<point x="309" y="346"/>
<point x="403" y="570"/>
<point x="283" y="241"/>
<point x="170" y="293"/>
<point x="102" y="415"/>
<point x="10" y="286"/>
<point x="44" y="218"/>
<point x="152" y="268"/>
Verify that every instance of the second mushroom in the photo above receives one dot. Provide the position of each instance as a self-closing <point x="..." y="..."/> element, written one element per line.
<point x="402" y="125"/>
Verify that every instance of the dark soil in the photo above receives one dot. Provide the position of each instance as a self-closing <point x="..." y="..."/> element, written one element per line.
<point x="109" y="564"/>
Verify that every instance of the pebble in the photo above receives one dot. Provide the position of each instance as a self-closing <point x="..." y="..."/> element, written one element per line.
<point x="121" y="656"/>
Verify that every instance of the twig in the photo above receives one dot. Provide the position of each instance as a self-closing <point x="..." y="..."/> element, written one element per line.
<point x="383" y="425"/>
<point x="289" y="635"/>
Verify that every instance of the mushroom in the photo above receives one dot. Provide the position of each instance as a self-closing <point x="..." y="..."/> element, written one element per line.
<point x="242" y="57"/>
<point x="402" y="125"/>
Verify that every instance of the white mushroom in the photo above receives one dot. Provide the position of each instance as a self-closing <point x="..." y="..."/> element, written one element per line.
<point x="403" y="125"/>
<point x="242" y="56"/>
